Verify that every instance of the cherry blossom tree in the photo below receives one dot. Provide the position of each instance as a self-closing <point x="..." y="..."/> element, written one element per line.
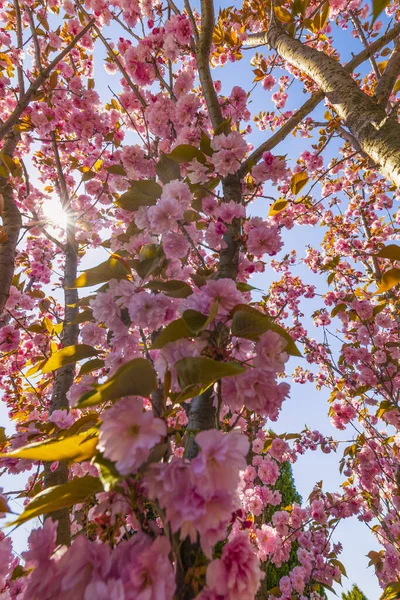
<point x="143" y="406"/>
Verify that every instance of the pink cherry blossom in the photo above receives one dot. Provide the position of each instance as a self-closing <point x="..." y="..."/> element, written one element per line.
<point x="128" y="433"/>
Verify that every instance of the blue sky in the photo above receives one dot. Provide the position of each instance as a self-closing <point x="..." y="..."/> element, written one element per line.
<point x="306" y="406"/>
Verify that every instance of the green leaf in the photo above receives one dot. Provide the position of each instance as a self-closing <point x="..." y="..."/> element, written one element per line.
<point x="224" y="127"/>
<point x="277" y="207"/>
<point x="60" y="496"/>
<point x="88" y="175"/>
<point x="76" y="448"/>
<point x="245" y="287"/>
<point x="298" y="181"/>
<point x="340" y="565"/>
<point x="112" y="268"/>
<point x="141" y="193"/>
<point x="338" y="308"/>
<point x="86" y="315"/>
<point x="134" y="378"/>
<point x="176" y="330"/>
<point x="392" y="252"/>
<point x="116" y="170"/>
<point x="186" y="153"/>
<point x="19" y="572"/>
<point x="68" y="355"/>
<point x="250" y="323"/>
<point x="173" y="288"/>
<point x="377" y="7"/>
<point x="196" y="374"/>
<point x="109" y="475"/>
<point x="389" y="280"/>
<point x="91" y="365"/>
<point x="167" y="169"/>
<point x="194" y="320"/>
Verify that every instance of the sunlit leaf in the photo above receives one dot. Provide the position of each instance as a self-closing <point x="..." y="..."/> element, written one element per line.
<point x="74" y="448"/>
<point x="392" y="252"/>
<point x="68" y="355"/>
<point x="392" y="591"/>
<point x="136" y="377"/>
<point x="298" y="181"/>
<point x="389" y="280"/>
<point x="277" y="207"/>
<point x="60" y="496"/>
<point x="112" y="268"/>
<point x="283" y="15"/>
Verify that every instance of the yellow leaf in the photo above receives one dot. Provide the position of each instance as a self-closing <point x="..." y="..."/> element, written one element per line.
<point x="298" y="181"/>
<point x="98" y="164"/>
<point x="389" y="279"/>
<point x="277" y="207"/>
<point x="76" y="448"/>
<point x="382" y="65"/>
<point x="321" y="17"/>
<point x="392" y="252"/>
<point x="68" y="355"/>
<point x="283" y="15"/>
<point x="60" y="496"/>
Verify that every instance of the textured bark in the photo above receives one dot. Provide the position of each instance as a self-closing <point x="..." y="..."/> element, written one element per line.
<point x="389" y="77"/>
<point x="378" y="136"/>
<point x="64" y="377"/>
<point x="316" y="98"/>
<point x="12" y="222"/>
<point x="203" y="62"/>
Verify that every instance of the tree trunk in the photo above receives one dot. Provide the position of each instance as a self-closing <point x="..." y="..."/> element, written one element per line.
<point x="378" y="136"/>
<point x="64" y="377"/>
<point x="12" y="223"/>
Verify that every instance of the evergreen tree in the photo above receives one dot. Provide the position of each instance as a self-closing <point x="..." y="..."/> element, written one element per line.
<point x="354" y="594"/>
<point x="286" y="486"/>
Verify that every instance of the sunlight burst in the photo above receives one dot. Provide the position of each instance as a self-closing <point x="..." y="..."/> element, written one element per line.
<point x="54" y="213"/>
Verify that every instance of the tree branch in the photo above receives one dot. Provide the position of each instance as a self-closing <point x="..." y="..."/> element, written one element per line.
<point x="18" y="25"/>
<point x="360" y="32"/>
<point x="12" y="120"/>
<point x="385" y="85"/>
<point x="315" y="99"/>
<point x="203" y="62"/>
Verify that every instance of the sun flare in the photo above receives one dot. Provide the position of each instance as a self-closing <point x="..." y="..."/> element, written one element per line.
<point x="54" y="213"/>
